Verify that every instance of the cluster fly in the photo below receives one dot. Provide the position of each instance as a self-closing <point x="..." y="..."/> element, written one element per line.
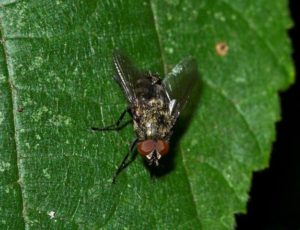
<point x="154" y="105"/>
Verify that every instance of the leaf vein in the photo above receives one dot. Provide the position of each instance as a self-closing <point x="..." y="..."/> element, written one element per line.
<point x="259" y="36"/>
<point x="13" y="98"/>
<point x="165" y="72"/>
<point x="190" y="186"/>
<point x="226" y="97"/>
<point x="156" y="26"/>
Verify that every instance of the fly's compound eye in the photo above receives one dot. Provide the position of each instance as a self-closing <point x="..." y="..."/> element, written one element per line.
<point x="162" y="147"/>
<point x="146" y="147"/>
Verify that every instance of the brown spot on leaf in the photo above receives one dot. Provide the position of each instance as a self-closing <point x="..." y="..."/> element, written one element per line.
<point x="20" y="109"/>
<point x="222" y="48"/>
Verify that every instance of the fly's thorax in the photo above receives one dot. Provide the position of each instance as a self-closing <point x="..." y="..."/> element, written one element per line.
<point x="146" y="87"/>
<point x="152" y="119"/>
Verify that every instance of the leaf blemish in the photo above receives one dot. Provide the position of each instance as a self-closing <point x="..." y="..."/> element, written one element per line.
<point x="1" y="117"/>
<point x="39" y="113"/>
<point x="222" y="48"/>
<point x="4" y="166"/>
<point x="51" y="214"/>
<point x="20" y="109"/>
<point x="59" y="120"/>
<point x="46" y="173"/>
<point x="219" y="16"/>
<point x="27" y="145"/>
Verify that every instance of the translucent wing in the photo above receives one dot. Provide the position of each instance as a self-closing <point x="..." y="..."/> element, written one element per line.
<point x="179" y="83"/>
<point x="126" y="75"/>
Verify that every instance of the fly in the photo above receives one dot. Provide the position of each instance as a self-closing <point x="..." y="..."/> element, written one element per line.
<point x="154" y="105"/>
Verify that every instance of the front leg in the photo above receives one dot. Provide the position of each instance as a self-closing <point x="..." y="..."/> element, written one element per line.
<point x="124" y="162"/>
<point x="115" y="126"/>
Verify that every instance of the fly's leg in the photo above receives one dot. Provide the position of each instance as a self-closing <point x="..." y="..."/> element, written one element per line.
<point x="124" y="162"/>
<point x="115" y="126"/>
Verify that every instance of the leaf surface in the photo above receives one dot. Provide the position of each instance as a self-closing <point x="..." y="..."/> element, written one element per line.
<point x="56" y="82"/>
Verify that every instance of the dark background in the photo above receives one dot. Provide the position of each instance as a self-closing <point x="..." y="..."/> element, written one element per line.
<point x="275" y="194"/>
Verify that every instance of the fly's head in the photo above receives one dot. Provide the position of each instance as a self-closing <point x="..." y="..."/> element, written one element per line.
<point x="153" y="150"/>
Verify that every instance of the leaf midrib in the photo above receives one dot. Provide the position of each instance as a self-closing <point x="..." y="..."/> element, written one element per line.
<point x="156" y="27"/>
<point x="214" y="88"/>
<point x="9" y="73"/>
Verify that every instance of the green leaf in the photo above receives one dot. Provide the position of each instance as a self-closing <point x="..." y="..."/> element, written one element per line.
<point x="56" y="83"/>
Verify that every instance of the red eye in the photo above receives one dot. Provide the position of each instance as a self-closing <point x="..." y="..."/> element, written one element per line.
<point x="162" y="147"/>
<point x="146" y="147"/>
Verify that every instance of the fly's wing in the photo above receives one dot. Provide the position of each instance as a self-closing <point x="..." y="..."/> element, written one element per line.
<point x="126" y="75"/>
<point x="179" y="84"/>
